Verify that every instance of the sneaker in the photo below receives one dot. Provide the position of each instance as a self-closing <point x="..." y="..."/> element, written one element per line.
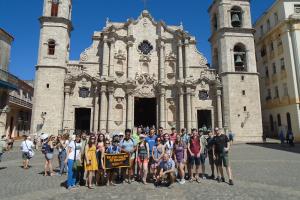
<point x="212" y="176"/>
<point x="182" y="181"/>
<point x="198" y="180"/>
<point x="223" y="179"/>
<point x="230" y="182"/>
<point x="218" y="179"/>
<point x="203" y="177"/>
<point x="191" y="180"/>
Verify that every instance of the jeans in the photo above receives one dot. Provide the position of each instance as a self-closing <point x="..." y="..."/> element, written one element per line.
<point x="63" y="166"/>
<point x="72" y="174"/>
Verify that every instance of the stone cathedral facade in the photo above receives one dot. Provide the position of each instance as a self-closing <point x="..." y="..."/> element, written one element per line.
<point x="144" y="72"/>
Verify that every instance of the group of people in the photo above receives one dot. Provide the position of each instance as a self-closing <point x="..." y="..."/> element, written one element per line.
<point x="289" y="137"/>
<point x="154" y="156"/>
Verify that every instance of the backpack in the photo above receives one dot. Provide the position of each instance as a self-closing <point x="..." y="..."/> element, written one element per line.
<point x="44" y="148"/>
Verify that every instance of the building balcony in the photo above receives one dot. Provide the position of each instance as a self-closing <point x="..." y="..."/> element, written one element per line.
<point x="8" y="81"/>
<point x="283" y="74"/>
<point x="19" y="102"/>
<point x="272" y="55"/>
<point x="280" y="50"/>
<point x="274" y="78"/>
<point x="268" y="81"/>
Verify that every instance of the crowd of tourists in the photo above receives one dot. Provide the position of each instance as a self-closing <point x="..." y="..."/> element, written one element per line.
<point x="154" y="156"/>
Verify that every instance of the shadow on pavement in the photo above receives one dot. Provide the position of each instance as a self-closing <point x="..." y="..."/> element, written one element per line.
<point x="1" y="168"/>
<point x="284" y="147"/>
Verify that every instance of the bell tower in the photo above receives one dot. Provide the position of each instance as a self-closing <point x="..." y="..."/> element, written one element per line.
<point x="53" y="55"/>
<point x="233" y="56"/>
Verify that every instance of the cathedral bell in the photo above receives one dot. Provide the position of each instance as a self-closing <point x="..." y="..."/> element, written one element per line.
<point x="239" y="61"/>
<point x="236" y="22"/>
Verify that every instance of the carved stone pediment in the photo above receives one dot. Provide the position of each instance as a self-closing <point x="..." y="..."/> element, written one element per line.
<point x="171" y="57"/>
<point x="145" y="58"/>
<point x="120" y="55"/>
<point x="145" y="85"/>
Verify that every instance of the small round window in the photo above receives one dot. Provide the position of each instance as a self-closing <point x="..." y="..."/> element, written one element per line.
<point x="145" y="47"/>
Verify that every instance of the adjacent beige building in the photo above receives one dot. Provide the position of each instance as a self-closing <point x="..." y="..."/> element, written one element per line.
<point x="7" y="81"/>
<point x="144" y="72"/>
<point x="20" y="106"/>
<point x="277" y="41"/>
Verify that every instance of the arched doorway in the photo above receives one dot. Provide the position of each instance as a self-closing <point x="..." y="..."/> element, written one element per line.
<point x="289" y="122"/>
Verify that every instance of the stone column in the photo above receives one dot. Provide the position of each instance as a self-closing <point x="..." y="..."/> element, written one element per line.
<point x="180" y="61"/>
<point x="66" y="123"/>
<point x="181" y="108"/>
<point x="187" y="65"/>
<point x="96" y="111"/>
<point x="193" y="117"/>
<point x="103" y="108"/>
<point x="161" y="61"/>
<point x="129" y="109"/>
<point x="110" y="109"/>
<point x="130" y="52"/>
<point x="105" y="57"/>
<point x="188" y="109"/>
<point x="111" y="57"/>
<point x="219" y="106"/>
<point x="162" y="109"/>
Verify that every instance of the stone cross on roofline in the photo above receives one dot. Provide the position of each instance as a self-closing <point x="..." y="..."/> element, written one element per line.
<point x="145" y="4"/>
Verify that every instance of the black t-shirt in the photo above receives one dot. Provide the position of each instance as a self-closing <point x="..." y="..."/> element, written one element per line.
<point x="210" y="143"/>
<point x="220" y="143"/>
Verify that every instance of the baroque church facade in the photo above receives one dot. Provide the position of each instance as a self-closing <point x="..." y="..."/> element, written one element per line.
<point x="145" y="72"/>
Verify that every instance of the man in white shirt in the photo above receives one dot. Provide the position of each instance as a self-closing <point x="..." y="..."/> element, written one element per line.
<point x="27" y="151"/>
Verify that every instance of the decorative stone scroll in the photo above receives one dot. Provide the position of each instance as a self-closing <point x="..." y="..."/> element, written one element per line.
<point x="145" y="85"/>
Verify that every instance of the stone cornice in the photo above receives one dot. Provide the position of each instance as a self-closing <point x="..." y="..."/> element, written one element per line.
<point x="231" y="30"/>
<point x="240" y="73"/>
<point x="44" y="19"/>
<point x="50" y="66"/>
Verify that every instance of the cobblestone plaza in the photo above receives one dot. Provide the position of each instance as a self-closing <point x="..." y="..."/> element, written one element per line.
<point x="260" y="172"/>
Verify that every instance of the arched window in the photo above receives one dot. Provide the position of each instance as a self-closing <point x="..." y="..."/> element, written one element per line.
<point x="271" y="123"/>
<point x="240" y="57"/>
<point x="289" y="122"/>
<point x="54" y="8"/>
<point x="236" y="17"/>
<point x="51" y="47"/>
<point x="215" y="22"/>
<point x="279" y="119"/>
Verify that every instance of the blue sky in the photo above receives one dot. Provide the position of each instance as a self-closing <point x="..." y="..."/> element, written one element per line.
<point x="89" y="15"/>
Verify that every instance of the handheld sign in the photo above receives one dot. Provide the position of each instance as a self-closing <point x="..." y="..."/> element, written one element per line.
<point x="120" y="160"/>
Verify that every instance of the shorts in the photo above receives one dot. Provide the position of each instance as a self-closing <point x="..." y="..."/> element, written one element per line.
<point x="193" y="160"/>
<point x="140" y="161"/>
<point x="202" y="158"/>
<point x="132" y="156"/>
<point x="25" y="156"/>
<point x="49" y="156"/>
<point x="222" y="160"/>
<point x="211" y="159"/>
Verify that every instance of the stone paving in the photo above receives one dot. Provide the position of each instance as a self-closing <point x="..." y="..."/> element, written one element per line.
<point x="260" y="172"/>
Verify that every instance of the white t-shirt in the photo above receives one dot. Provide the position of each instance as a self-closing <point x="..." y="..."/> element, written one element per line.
<point x="26" y="146"/>
<point x="78" y="150"/>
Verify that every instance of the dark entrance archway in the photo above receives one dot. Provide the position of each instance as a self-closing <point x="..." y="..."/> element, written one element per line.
<point x="204" y="118"/>
<point x="144" y="112"/>
<point x="82" y="119"/>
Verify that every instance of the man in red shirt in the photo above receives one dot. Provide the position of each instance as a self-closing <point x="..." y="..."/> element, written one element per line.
<point x="173" y="135"/>
<point x="194" y="150"/>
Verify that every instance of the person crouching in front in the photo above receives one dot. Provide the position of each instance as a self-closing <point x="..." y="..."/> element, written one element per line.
<point x="166" y="171"/>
